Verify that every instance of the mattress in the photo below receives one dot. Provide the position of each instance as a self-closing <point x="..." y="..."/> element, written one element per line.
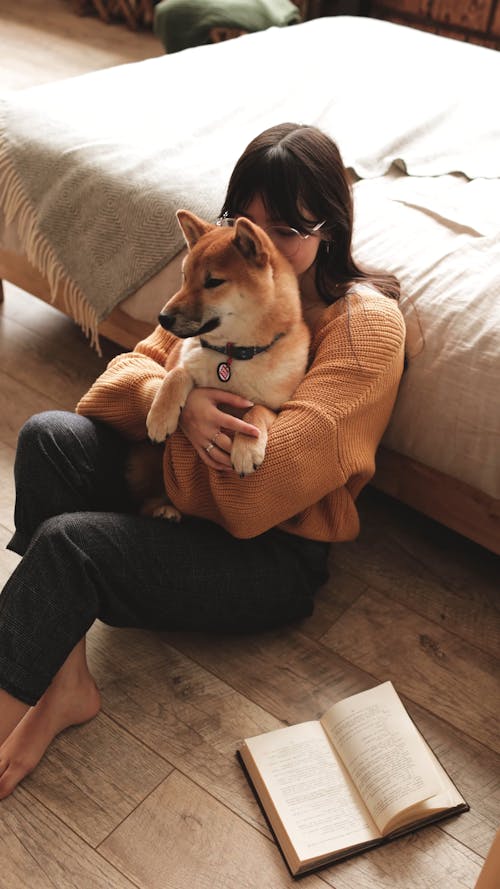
<point x="441" y="237"/>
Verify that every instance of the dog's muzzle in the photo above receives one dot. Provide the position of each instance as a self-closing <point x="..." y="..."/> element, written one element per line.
<point x="184" y="327"/>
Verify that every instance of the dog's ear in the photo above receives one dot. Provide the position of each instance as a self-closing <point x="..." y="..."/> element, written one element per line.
<point x="249" y="239"/>
<point x="192" y="226"/>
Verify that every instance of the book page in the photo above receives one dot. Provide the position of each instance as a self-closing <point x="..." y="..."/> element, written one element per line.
<point x="448" y="797"/>
<point x="387" y="758"/>
<point x="319" y="807"/>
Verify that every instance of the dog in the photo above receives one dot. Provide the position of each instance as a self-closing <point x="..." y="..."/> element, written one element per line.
<point x="238" y="316"/>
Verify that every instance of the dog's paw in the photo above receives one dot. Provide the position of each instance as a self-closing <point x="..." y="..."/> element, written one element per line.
<point x="160" y="508"/>
<point x="167" y="511"/>
<point x="247" y="455"/>
<point x="161" y="424"/>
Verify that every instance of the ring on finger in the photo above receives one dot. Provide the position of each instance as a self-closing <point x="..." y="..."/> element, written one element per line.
<point x="209" y="447"/>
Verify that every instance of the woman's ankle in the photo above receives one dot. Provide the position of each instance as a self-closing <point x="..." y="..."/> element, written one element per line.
<point x="74" y="671"/>
<point x="69" y="701"/>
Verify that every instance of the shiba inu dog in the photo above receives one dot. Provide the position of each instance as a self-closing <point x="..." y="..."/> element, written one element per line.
<point x="238" y="315"/>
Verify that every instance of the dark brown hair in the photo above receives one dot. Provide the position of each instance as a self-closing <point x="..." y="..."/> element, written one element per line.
<point x="294" y="168"/>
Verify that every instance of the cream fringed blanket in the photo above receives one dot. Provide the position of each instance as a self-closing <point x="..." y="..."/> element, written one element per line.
<point x="92" y="169"/>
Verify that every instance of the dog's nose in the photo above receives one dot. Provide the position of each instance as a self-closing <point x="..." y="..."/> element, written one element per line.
<point x="166" y="320"/>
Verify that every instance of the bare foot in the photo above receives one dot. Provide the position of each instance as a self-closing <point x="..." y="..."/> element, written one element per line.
<point x="62" y="705"/>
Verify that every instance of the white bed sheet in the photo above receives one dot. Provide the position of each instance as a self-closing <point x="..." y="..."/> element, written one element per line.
<point x="441" y="237"/>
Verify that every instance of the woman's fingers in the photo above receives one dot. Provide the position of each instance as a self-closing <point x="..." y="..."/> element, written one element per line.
<point x="216" y="459"/>
<point x="234" y="425"/>
<point x="210" y="419"/>
<point x="221" y="396"/>
<point x="238" y="405"/>
<point x="223" y="441"/>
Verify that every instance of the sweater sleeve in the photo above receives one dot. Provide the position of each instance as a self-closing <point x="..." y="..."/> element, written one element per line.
<point x="123" y="394"/>
<point x="324" y="438"/>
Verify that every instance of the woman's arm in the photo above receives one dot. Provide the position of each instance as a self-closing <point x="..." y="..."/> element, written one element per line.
<point x="123" y="394"/>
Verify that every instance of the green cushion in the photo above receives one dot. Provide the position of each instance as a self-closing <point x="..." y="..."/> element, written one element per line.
<point x="183" y="23"/>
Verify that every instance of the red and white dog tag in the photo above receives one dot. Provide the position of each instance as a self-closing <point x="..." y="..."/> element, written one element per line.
<point x="224" y="371"/>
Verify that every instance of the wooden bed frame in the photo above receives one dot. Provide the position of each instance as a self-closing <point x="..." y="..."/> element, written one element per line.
<point x="118" y="327"/>
<point x="457" y="505"/>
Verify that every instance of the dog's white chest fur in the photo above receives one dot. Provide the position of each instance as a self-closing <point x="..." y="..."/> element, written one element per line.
<point x="268" y="378"/>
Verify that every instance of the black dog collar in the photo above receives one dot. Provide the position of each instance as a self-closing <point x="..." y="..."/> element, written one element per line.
<point x="241" y="353"/>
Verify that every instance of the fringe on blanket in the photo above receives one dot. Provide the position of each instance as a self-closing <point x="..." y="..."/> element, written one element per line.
<point x="19" y="211"/>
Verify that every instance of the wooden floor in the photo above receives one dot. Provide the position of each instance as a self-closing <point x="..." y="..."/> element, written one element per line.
<point x="44" y="40"/>
<point x="149" y="794"/>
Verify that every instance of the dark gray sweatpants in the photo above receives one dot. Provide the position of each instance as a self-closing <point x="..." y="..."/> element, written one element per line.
<point x="86" y="555"/>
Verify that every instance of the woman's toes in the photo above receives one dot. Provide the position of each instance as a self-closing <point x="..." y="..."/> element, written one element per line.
<point x="57" y="709"/>
<point x="9" y="782"/>
<point x="12" y="775"/>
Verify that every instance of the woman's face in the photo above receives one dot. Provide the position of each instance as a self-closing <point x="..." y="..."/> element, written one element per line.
<point x="304" y="250"/>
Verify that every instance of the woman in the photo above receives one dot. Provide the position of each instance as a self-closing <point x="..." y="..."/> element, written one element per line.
<point x="249" y="553"/>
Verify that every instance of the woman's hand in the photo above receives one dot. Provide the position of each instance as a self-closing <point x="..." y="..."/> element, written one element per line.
<point x="207" y="426"/>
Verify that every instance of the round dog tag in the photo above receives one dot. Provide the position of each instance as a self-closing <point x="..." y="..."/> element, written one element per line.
<point x="224" y="372"/>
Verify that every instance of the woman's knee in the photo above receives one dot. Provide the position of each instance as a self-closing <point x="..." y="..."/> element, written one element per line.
<point x="43" y="429"/>
<point x="61" y="533"/>
<point x="77" y="538"/>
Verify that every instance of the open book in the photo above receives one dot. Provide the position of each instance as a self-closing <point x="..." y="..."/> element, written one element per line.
<point x="357" y="777"/>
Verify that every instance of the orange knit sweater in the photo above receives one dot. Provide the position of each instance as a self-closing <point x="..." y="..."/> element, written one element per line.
<point x="321" y="448"/>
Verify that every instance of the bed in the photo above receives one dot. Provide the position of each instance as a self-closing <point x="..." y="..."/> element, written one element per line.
<point x="93" y="168"/>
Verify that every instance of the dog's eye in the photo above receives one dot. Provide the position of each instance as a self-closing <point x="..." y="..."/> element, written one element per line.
<point x="213" y="282"/>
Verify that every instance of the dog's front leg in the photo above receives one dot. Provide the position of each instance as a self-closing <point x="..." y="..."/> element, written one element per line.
<point x="168" y="402"/>
<point x="248" y="453"/>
